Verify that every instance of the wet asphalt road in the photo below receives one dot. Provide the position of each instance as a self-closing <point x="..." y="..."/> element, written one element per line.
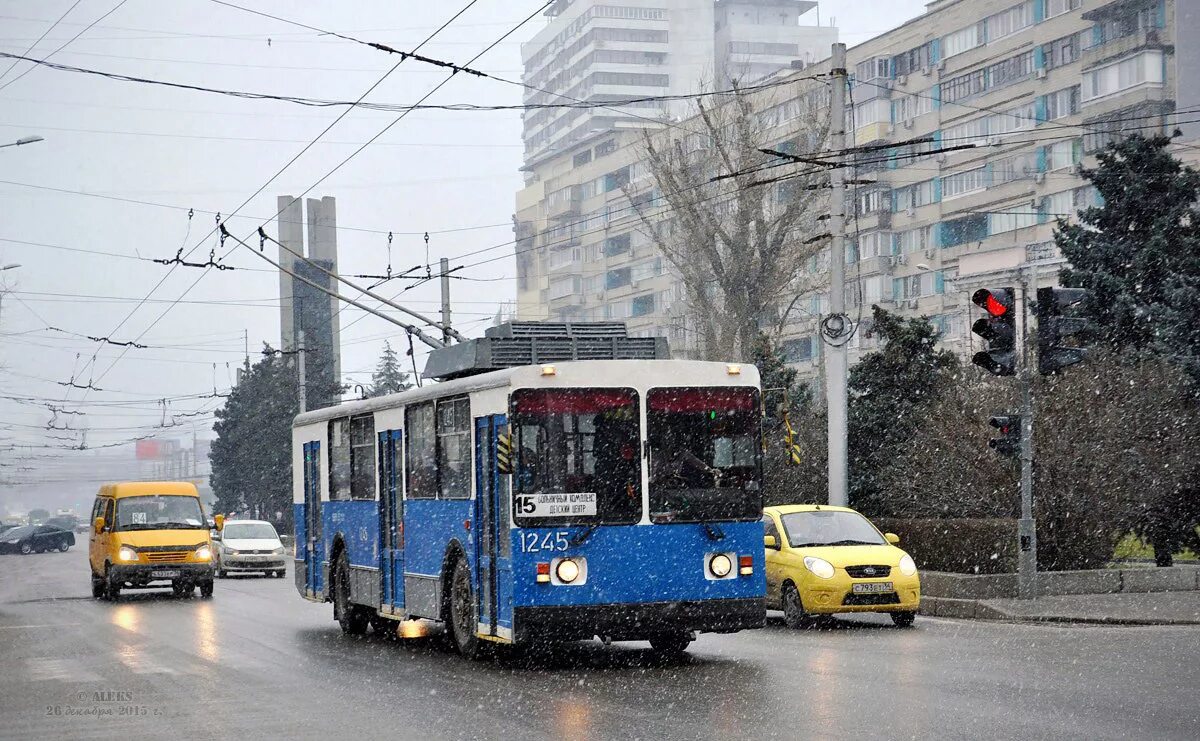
<point x="258" y="662"/>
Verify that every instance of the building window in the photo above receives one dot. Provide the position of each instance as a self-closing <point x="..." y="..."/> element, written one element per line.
<point x="631" y="79"/>
<point x="911" y="61"/>
<point x="1010" y="70"/>
<point x="763" y="47"/>
<point x="1146" y="67"/>
<point x="1064" y="154"/>
<point x="605" y="147"/>
<point x="872" y="69"/>
<point x="340" y="473"/>
<point x="616" y="179"/>
<point x="1013" y="168"/>
<point x="616" y="245"/>
<point x="617" y="278"/>
<point x="913" y="240"/>
<point x="1012" y="218"/>
<point x="874" y="244"/>
<point x="1127" y="25"/>
<point x="913" y="196"/>
<point x="420" y="444"/>
<point x="1008" y="22"/>
<point x="973" y="228"/>
<point x="1061" y="52"/>
<point x="960" y="41"/>
<point x="581" y="158"/>
<point x="1058" y="7"/>
<point x="962" y="183"/>
<point x="642" y="305"/>
<point x="454" y="448"/>
<point x="963" y="86"/>
<point x="1062" y="103"/>
<point x="870" y="202"/>
<point x="362" y="457"/>
<point x="798" y="350"/>
<point x="909" y="107"/>
<point x="1145" y="120"/>
<point x="872" y="112"/>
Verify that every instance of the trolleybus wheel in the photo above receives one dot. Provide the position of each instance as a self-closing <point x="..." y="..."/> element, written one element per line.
<point x="353" y="618"/>
<point x="671" y="644"/>
<point x="462" y="611"/>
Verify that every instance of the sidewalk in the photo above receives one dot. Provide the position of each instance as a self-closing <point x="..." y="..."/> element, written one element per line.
<point x="1153" y="608"/>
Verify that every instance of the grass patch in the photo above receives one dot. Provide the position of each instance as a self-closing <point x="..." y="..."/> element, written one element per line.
<point x="1133" y="547"/>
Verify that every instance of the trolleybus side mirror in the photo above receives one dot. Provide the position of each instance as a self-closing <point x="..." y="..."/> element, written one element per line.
<point x="892" y="538"/>
<point x="770" y="542"/>
<point x="98" y="525"/>
<point x="219" y="522"/>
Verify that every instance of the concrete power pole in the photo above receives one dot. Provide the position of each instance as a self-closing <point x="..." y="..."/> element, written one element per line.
<point x="836" y="326"/>
<point x="303" y="389"/>
<point x="1026" y="526"/>
<point x="444" y="265"/>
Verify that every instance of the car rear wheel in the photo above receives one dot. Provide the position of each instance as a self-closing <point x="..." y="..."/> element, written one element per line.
<point x="63" y="546"/>
<point x="26" y="549"/>
<point x="904" y="619"/>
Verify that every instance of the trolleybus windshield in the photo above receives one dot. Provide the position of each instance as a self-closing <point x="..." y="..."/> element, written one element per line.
<point x="705" y="451"/>
<point x="577" y="456"/>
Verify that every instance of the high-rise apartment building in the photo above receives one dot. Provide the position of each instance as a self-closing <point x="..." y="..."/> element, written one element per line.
<point x="1037" y="86"/>
<point x="306" y="312"/>
<point x="596" y="52"/>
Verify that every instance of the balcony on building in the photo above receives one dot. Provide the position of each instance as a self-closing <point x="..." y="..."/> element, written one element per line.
<point x="1122" y="28"/>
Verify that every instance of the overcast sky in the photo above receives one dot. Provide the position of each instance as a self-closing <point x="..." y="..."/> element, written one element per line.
<point x="451" y="173"/>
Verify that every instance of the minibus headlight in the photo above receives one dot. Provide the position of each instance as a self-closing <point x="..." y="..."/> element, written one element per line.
<point x="567" y="571"/>
<point x="720" y="565"/>
<point x="127" y="554"/>
<point x="203" y="553"/>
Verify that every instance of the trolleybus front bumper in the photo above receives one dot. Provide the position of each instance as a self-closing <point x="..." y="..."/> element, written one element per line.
<point x="638" y="621"/>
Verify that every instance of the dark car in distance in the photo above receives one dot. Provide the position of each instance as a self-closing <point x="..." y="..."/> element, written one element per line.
<point x="36" y="539"/>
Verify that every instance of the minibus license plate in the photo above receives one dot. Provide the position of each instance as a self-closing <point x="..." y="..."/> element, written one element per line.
<point x="165" y="573"/>
<point x="874" y="587"/>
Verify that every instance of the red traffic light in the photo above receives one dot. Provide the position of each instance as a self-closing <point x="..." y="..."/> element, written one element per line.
<point x="996" y="303"/>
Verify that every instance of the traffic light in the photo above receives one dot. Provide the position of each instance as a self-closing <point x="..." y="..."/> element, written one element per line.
<point x="1053" y="327"/>
<point x="1009" y="442"/>
<point x="999" y="329"/>
<point x="789" y="440"/>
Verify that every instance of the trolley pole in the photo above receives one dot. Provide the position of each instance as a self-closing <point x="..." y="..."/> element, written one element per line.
<point x="1027" y="525"/>
<point x="444" y="264"/>
<point x="835" y="352"/>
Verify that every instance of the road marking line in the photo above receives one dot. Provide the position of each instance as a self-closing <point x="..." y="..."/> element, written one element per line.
<point x="48" y="668"/>
<point x="42" y="625"/>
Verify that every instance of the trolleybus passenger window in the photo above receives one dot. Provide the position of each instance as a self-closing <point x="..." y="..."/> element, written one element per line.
<point x="420" y="445"/>
<point x="704" y="454"/>
<point x="577" y="456"/>
<point x="339" y="459"/>
<point x="454" y="448"/>
<point x="362" y="458"/>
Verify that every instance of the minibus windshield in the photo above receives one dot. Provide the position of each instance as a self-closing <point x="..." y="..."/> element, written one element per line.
<point x="159" y="512"/>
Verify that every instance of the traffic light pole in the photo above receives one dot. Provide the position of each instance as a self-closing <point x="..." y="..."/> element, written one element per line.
<point x="1027" y="525"/>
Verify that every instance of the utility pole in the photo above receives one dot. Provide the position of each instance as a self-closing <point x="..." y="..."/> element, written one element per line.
<point x="303" y="389"/>
<point x="835" y="352"/>
<point x="1027" y="525"/>
<point x="444" y="265"/>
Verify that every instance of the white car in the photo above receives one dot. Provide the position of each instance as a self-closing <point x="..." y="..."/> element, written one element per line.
<point x="246" y="546"/>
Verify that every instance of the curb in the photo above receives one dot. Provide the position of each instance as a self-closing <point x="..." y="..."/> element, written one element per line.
<point x="969" y="609"/>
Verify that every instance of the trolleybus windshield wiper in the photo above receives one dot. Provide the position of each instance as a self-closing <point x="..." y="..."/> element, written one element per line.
<point x="582" y="538"/>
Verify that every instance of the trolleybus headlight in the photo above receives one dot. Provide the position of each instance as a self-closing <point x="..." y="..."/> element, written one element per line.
<point x="203" y="553"/>
<point x="819" y="566"/>
<point x="567" y="571"/>
<point x="907" y="566"/>
<point x="127" y="554"/>
<point x="720" y="565"/>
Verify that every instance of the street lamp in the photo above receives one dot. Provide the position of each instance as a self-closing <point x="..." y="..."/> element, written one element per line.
<point x="23" y="140"/>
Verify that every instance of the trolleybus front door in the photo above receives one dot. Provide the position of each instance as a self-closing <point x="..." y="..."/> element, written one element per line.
<point x="492" y="546"/>
<point x="313" y="541"/>
<point x="391" y="522"/>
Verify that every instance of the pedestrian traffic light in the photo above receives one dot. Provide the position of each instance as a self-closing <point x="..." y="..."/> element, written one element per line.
<point x="999" y="329"/>
<point x="1009" y="442"/>
<point x="1053" y="327"/>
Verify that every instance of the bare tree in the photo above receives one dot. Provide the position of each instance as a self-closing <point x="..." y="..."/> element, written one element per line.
<point x="737" y="229"/>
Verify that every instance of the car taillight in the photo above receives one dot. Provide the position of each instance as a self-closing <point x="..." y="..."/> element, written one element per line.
<point x="543" y="572"/>
<point x="746" y="565"/>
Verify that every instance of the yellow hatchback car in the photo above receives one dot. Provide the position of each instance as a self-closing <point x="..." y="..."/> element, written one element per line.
<point x="823" y="560"/>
